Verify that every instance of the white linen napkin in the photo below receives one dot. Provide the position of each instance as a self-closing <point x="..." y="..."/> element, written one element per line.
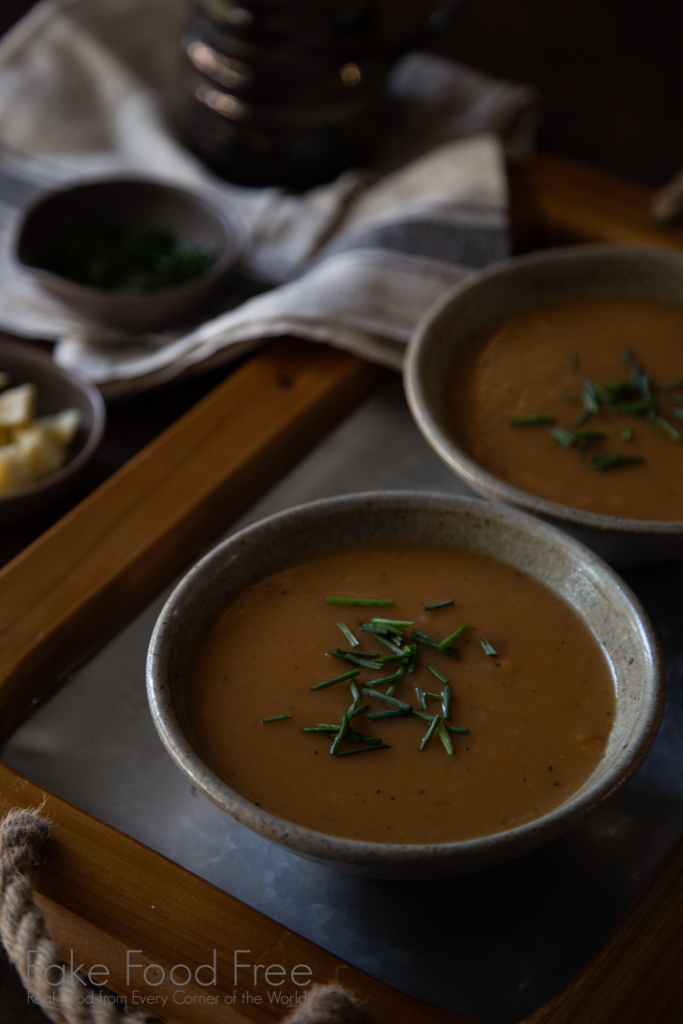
<point x="84" y="92"/>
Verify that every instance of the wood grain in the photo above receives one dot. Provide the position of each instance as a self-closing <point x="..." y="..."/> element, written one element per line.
<point x="102" y="892"/>
<point x="115" y="550"/>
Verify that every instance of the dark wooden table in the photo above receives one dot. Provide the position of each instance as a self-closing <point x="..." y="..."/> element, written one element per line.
<point x="610" y="76"/>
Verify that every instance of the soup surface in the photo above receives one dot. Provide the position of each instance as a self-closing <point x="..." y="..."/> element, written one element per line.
<point x="539" y="712"/>
<point x="537" y="362"/>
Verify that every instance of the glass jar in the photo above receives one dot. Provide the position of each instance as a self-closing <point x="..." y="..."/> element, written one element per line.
<point x="281" y="92"/>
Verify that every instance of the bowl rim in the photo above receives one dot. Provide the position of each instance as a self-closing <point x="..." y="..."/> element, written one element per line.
<point x="446" y="857"/>
<point x="474" y="474"/>
<point x="96" y="402"/>
<point x="225" y="214"/>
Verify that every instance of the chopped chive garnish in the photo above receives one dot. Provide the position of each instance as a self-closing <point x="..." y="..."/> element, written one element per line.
<point x="275" y="718"/>
<point x="450" y="640"/>
<point x="641" y="382"/>
<point x="627" y="434"/>
<point x="489" y="648"/>
<point x="357" y="711"/>
<point x="355" y="692"/>
<point x="591" y="404"/>
<point x="430" y="731"/>
<point x="636" y="408"/>
<point x="385" y="631"/>
<point x="451" y="728"/>
<point x="532" y="419"/>
<point x="430" y="641"/>
<point x="396" y="678"/>
<point x="433" y="696"/>
<point x="447" y="702"/>
<point x="573" y="361"/>
<point x="421" y="697"/>
<point x="363" y="602"/>
<point x="322" y="728"/>
<point x="399" y="623"/>
<point x="337" y="679"/>
<point x="563" y="437"/>
<point x="678" y="413"/>
<point x="673" y="385"/>
<point x="667" y="429"/>
<point x="390" y="658"/>
<point x="346" y="722"/>
<point x="364" y="750"/>
<point x="439" y="604"/>
<point x="445" y="738"/>
<point x="591" y="435"/>
<point x="354" y="660"/>
<point x="377" y="715"/>
<point x="606" y="462"/>
<point x="563" y="393"/>
<point x="388" y="643"/>
<point x="629" y="358"/>
<point x="348" y="634"/>
<point x="370" y="655"/>
<point x="435" y="672"/>
<point x="394" y="701"/>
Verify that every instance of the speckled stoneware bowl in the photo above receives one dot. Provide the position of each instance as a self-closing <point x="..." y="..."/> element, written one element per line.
<point x="57" y="390"/>
<point x="564" y="565"/>
<point x="523" y="282"/>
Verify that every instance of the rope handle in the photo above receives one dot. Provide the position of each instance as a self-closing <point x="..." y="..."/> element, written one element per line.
<point x="23" y="930"/>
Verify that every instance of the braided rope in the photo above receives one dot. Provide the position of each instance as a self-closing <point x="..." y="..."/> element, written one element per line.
<point x="23" y="931"/>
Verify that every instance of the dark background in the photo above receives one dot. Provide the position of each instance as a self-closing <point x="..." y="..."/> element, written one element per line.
<point x="610" y="73"/>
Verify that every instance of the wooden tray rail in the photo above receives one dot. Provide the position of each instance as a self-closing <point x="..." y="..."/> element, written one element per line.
<point x="103" y="893"/>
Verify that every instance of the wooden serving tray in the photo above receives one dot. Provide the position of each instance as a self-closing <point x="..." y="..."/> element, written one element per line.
<point x="105" y="894"/>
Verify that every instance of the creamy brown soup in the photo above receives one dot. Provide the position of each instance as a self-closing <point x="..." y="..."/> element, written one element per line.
<point x="536" y="362"/>
<point x="539" y="712"/>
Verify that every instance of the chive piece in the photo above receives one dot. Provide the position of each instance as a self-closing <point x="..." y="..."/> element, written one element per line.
<point x="532" y="419"/>
<point x="394" y="701"/>
<point x="370" y="655"/>
<point x="567" y="396"/>
<point x="489" y="648"/>
<point x="363" y="602"/>
<point x="591" y="405"/>
<point x="392" y="646"/>
<point x="451" y="728"/>
<point x="377" y="715"/>
<point x="445" y="738"/>
<point x="346" y="722"/>
<point x="348" y="634"/>
<point x="396" y="678"/>
<point x="447" y="702"/>
<point x="673" y="385"/>
<point x="439" y="675"/>
<point x="678" y="413"/>
<point x="322" y="728"/>
<point x="450" y="640"/>
<point x="629" y="358"/>
<point x="410" y="667"/>
<point x="563" y="437"/>
<point x="439" y="604"/>
<point x="580" y="420"/>
<point x="430" y="731"/>
<point x="391" y="658"/>
<point x="641" y="382"/>
<point x="353" y="659"/>
<point x="357" y="711"/>
<point x="364" y="750"/>
<point x="367" y="627"/>
<point x="355" y="692"/>
<point x="591" y="435"/>
<point x="573" y="361"/>
<point x="433" y="696"/>
<point x="668" y="429"/>
<point x="421" y="698"/>
<point x="430" y="641"/>
<point x="337" y="679"/>
<point x="275" y="718"/>
<point x="399" y="623"/>
<point x="603" y="393"/>
<point x="606" y="462"/>
<point x="627" y="434"/>
<point x="636" y="408"/>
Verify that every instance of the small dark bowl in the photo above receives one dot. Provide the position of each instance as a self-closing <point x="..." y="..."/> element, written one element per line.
<point x="57" y="390"/>
<point x="133" y="203"/>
